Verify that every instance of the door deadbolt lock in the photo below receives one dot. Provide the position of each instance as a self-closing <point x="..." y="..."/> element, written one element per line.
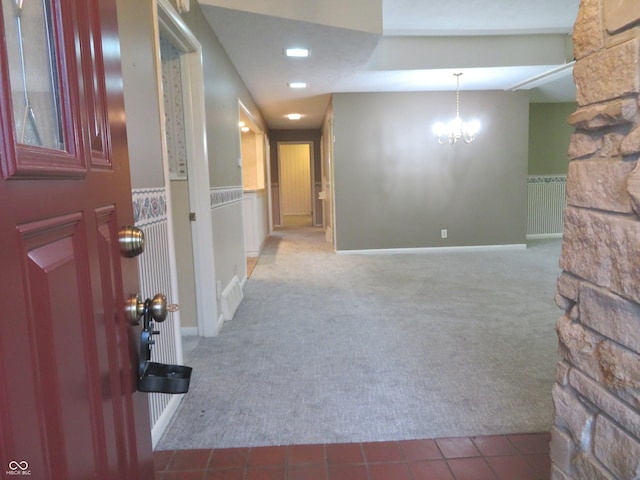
<point x="131" y="241"/>
<point x="154" y="376"/>
<point x="134" y="309"/>
<point x="156" y="308"/>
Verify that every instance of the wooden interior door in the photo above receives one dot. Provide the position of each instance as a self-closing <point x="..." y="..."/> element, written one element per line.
<point x="295" y="180"/>
<point x="68" y="402"/>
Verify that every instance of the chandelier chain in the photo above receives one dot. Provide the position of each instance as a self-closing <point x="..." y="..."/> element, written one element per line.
<point x="457" y="93"/>
<point x="456" y="130"/>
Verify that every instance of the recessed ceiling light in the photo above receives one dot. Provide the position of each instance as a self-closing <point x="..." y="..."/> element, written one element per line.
<point x="297" y="85"/>
<point x="294" y="116"/>
<point x="297" y="52"/>
<point x="245" y="129"/>
<point x="241" y="124"/>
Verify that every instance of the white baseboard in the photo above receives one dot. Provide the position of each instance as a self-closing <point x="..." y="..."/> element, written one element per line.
<point x="165" y="418"/>
<point x="539" y="236"/>
<point x="396" y="251"/>
<point x="256" y="253"/>
<point x="189" y="331"/>
<point x="231" y="298"/>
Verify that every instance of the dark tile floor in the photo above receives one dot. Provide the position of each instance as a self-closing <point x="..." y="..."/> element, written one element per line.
<point x="499" y="457"/>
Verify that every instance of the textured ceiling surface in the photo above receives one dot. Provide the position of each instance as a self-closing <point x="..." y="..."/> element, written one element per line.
<point x="463" y="17"/>
<point x="496" y="44"/>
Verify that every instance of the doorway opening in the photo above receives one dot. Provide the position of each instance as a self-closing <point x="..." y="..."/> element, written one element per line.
<point x="295" y="170"/>
<point x="187" y="244"/>
<point x="175" y="138"/>
<point x="254" y="148"/>
<point x="183" y="123"/>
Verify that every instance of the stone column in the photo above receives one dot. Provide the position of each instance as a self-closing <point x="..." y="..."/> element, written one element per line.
<point x="596" y="433"/>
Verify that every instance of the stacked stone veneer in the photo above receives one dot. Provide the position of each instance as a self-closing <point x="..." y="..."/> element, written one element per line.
<point x="596" y="433"/>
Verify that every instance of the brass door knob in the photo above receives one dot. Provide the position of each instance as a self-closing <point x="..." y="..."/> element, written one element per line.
<point x="134" y="308"/>
<point x="131" y="241"/>
<point x="155" y="308"/>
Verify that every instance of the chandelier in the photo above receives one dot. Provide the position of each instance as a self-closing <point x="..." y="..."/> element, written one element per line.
<point x="456" y="130"/>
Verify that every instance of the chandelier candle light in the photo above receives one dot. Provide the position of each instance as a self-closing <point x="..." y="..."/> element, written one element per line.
<point x="456" y="130"/>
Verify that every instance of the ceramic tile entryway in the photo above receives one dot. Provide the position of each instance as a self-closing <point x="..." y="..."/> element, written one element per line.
<point x="499" y="457"/>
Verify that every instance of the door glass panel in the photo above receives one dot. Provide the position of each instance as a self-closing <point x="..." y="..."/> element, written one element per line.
<point x="31" y="49"/>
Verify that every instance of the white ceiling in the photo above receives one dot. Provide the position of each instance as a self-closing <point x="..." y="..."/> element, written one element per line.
<point x="497" y="44"/>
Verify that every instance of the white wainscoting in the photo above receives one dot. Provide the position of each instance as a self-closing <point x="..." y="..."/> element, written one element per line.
<point x="228" y="238"/>
<point x="150" y="214"/>
<point x="546" y="201"/>
<point x="256" y="221"/>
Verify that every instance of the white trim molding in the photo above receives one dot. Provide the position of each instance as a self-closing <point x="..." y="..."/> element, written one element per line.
<point x="399" y="251"/>
<point x="542" y="236"/>
<point x="189" y="332"/>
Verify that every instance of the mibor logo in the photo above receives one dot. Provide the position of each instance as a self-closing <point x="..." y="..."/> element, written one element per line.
<point x="18" y="468"/>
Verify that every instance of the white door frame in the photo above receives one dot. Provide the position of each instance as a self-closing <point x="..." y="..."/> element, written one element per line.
<point x="311" y="179"/>
<point x="173" y="27"/>
<point x="331" y="164"/>
<point x="267" y="166"/>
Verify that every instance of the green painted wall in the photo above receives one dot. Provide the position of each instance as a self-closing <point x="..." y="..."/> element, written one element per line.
<point x="549" y="135"/>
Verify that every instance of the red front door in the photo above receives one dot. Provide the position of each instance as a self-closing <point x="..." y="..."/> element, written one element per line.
<point x="68" y="405"/>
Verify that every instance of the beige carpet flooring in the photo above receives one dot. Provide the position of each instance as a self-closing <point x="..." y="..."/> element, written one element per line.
<point x="330" y="348"/>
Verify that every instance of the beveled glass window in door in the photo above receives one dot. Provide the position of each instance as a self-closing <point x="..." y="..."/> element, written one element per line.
<point x="35" y="89"/>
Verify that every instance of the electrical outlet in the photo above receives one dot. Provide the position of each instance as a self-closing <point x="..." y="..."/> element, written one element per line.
<point x="443" y="233"/>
